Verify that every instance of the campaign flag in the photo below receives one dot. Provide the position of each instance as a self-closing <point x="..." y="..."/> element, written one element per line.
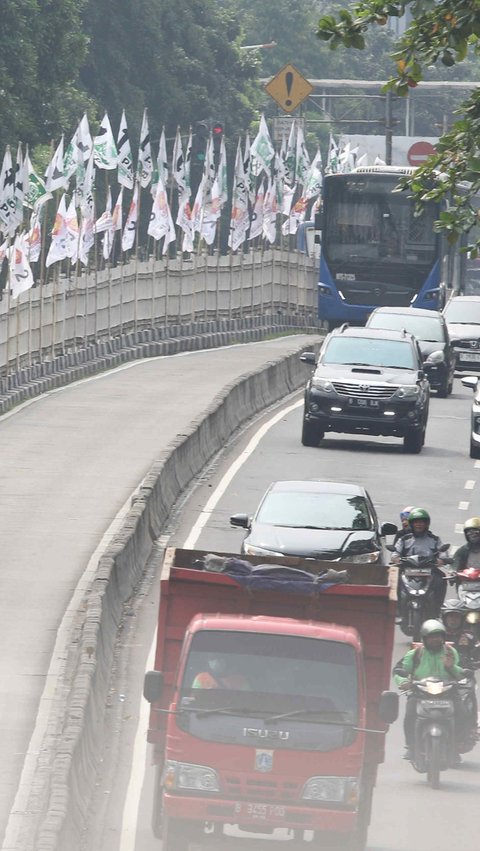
<point x="188" y="161"/>
<point x="124" y="159"/>
<point x="290" y="157"/>
<point x="239" y="215"/>
<point x="220" y="183"/>
<point x="161" y="169"/>
<point x="79" y="150"/>
<point x="129" y="231"/>
<point x="378" y="161"/>
<point x="314" y="180"/>
<point x="36" y="194"/>
<point x="116" y="224"/>
<point x="270" y="211"/>
<point x="7" y="192"/>
<point x="20" y="273"/>
<point x="161" y="222"/>
<point x="249" y="171"/>
<point x="302" y="166"/>
<point x="362" y="161"/>
<point x="58" y="245"/>
<point x="256" y="226"/>
<point x="178" y="164"/>
<point x="105" y="221"/>
<point x="144" y="165"/>
<point x="104" y="147"/>
<point x="54" y="176"/>
<point x="19" y="195"/>
<point x="184" y="221"/>
<point x="87" y="237"/>
<point x="73" y="232"/>
<point x="34" y="237"/>
<point x="279" y="178"/>
<point x="332" y="156"/>
<point x="296" y="215"/>
<point x="198" y="205"/>
<point x="262" y="150"/>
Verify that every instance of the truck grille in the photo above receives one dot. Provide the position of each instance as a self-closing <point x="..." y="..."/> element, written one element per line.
<point x="364" y="391"/>
<point x="260" y="788"/>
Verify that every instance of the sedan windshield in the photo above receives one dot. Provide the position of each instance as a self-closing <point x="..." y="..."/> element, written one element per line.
<point x="422" y="327"/>
<point x="368" y="351"/>
<point x="463" y="311"/>
<point x="315" y="510"/>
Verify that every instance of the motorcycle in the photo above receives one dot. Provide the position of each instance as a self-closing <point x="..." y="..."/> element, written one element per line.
<point x="436" y="743"/>
<point x="417" y="598"/>
<point x="467" y="583"/>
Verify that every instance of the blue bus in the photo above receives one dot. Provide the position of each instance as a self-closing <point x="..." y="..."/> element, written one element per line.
<point x="376" y="251"/>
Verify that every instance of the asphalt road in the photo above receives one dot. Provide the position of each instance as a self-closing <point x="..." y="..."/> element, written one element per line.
<point x="69" y="461"/>
<point x="407" y="814"/>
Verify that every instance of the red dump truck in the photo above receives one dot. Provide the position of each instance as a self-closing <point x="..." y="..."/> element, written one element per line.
<point x="269" y="701"/>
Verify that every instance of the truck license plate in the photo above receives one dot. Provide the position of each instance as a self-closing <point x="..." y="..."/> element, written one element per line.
<point x="259" y="812"/>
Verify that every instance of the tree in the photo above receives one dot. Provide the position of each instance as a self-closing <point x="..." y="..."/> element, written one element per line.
<point x="442" y="31"/>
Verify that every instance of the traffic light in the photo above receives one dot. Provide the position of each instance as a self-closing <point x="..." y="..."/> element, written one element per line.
<point x="217" y="136"/>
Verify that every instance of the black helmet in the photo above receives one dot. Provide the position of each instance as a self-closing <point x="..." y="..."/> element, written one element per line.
<point x="432" y="627"/>
<point x="472" y="525"/>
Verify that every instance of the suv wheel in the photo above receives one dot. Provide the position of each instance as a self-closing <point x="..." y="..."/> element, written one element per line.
<point x="311" y="434"/>
<point x="474" y="450"/>
<point x="414" y="440"/>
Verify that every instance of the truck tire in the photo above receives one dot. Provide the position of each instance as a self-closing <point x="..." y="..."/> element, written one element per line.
<point x="414" y="440"/>
<point x="157" y="809"/>
<point x="474" y="450"/>
<point x="311" y="435"/>
<point x="174" y="838"/>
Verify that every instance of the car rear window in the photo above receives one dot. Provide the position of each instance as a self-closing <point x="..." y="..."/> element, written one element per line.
<point x="424" y="328"/>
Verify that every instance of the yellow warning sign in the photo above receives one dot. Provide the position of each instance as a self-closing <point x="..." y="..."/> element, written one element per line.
<point x="289" y="88"/>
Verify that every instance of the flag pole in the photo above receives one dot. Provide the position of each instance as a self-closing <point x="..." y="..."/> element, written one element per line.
<point x="42" y="278"/>
<point x="135" y="280"/>
<point x="9" y="282"/>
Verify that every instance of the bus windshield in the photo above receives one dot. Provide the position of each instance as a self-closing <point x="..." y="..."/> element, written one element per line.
<point x="366" y="220"/>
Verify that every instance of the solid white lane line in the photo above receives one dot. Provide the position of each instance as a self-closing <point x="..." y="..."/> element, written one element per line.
<point x="140" y="749"/>
<point x="463" y="506"/>
<point x="469" y="484"/>
<point x="232" y="471"/>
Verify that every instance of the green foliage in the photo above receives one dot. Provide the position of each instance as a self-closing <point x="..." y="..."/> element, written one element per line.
<point x="442" y="32"/>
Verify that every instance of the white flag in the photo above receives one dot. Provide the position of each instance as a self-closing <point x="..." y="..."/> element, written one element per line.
<point x="20" y="273"/>
<point x="104" y="147"/>
<point x="296" y="215"/>
<point x="184" y="221"/>
<point x="36" y="194"/>
<point x="20" y="178"/>
<point x="256" y="226"/>
<point x="58" y="245"/>
<point x="105" y="221"/>
<point x="54" y="176"/>
<point x="73" y="232"/>
<point x="7" y="193"/>
<point x="249" y="172"/>
<point x="262" y="149"/>
<point x="129" y="231"/>
<point x="270" y="210"/>
<point x="161" y="170"/>
<point x="239" y="215"/>
<point x="221" y="184"/>
<point x="34" y="238"/>
<point x="79" y="150"/>
<point x="362" y="161"/>
<point x="161" y="222"/>
<point x="144" y="165"/>
<point x="178" y="164"/>
<point x="332" y="157"/>
<point x="116" y="224"/>
<point x="125" y="161"/>
<point x="117" y="215"/>
<point x="314" y="181"/>
<point x="302" y="159"/>
<point x="197" y="209"/>
<point x="291" y="156"/>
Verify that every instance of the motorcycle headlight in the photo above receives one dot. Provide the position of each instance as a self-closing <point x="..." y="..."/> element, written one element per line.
<point x="184" y="775"/>
<point x="342" y="790"/>
<point x="473" y="617"/>
<point x="362" y="558"/>
<point x="436" y="357"/>
<point x="250" y="550"/>
<point x="408" y="391"/>
<point x="322" y="384"/>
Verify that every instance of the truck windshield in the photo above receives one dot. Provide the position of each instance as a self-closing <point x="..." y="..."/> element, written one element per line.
<point x="261" y="674"/>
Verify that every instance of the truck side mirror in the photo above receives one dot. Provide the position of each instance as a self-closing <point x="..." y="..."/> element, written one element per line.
<point x="242" y="520"/>
<point x="388" y="709"/>
<point x="153" y="686"/>
<point x="388" y="529"/>
<point x="308" y="357"/>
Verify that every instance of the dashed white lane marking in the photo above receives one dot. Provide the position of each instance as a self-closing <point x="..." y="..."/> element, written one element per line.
<point x="459" y="528"/>
<point x="477" y="464"/>
<point x="469" y="484"/>
<point x="463" y="506"/>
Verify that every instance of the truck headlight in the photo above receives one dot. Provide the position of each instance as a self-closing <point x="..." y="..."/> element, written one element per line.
<point x="184" y="775"/>
<point x="340" y="790"/>
<point x="407" y="391"/>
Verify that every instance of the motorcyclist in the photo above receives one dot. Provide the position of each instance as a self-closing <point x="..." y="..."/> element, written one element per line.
<point x="453" y="618"/>
<point x="420" y="541"/>
<point x="405" y="528"/>
<point x="469" y="554"/>
<point x="432" y="658"/>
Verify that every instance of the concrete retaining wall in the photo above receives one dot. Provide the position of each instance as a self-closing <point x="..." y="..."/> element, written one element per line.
<point x="68" y="778"/>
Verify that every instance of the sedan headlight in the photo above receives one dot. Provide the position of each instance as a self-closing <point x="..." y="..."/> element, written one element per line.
<point x="322" y="384"/>
<point x="250" y="550"/>
<point x="408" y="391"/>
<point x="184" y="775"/>
<point x="362" y="558"/>
<point x="436" y="357"/>
<point x="340" y="790"/>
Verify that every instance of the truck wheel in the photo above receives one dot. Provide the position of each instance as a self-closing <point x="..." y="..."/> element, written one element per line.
<point x="311" y="435"/>
<point x="474" y="450"/>
<point x="433" y="762"/>
<point x="414" y="440"/>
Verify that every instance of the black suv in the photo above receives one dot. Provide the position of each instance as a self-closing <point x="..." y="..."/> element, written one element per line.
<point x="367" y="381"/>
